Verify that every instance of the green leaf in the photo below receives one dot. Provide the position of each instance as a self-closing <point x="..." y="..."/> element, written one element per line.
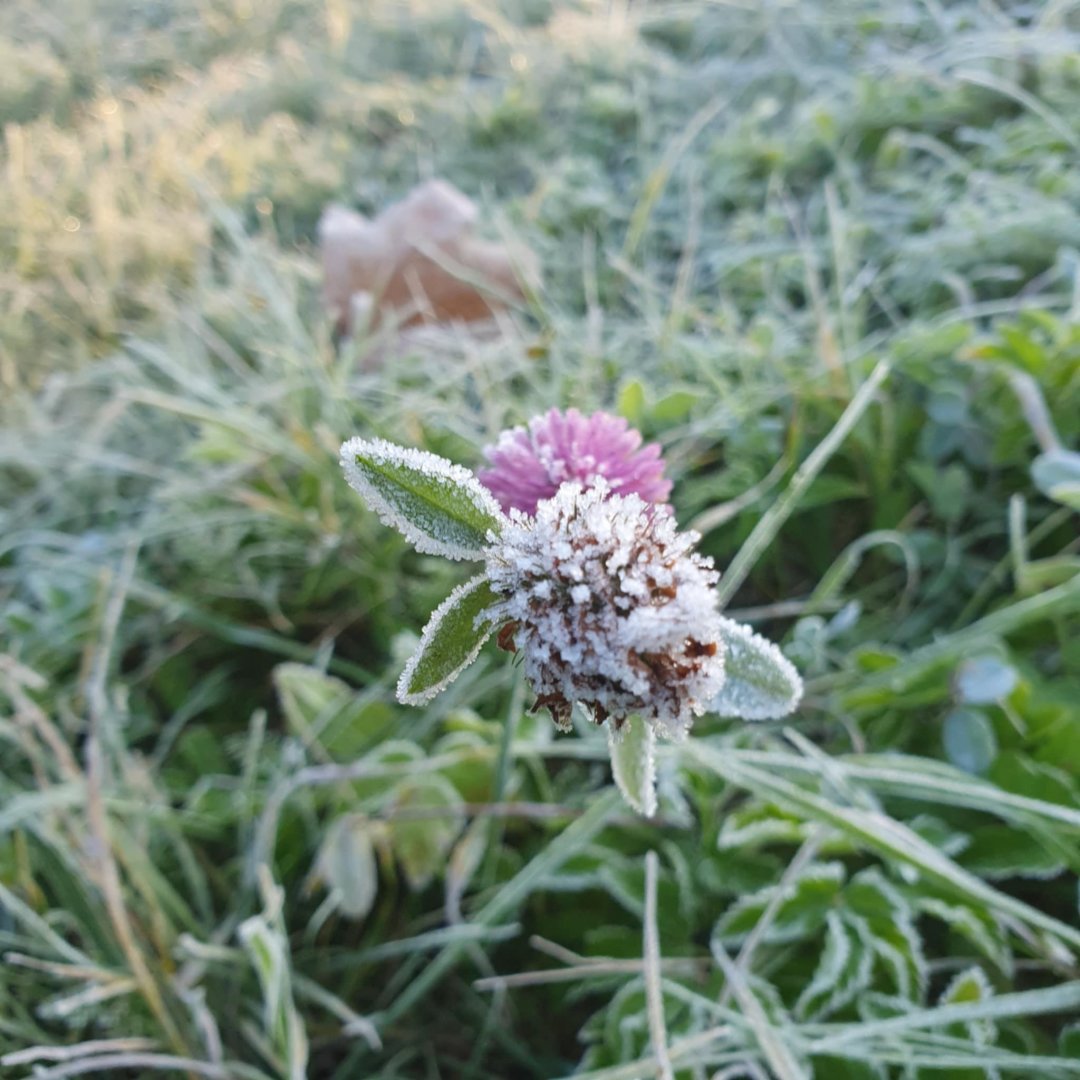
<point x="998" y="851"/>
<point x="306" y="696"/>
<point x="760" y="682"/>
<point x="876" y="831"/>
<point x="470" y="766"/>
<point x="453" y="637"/>
<point x="969" y="740"/>
<point x="985" y="680"/>
<point x="1069" y="1041"/>
<point x="631" y="403"/>
<point x="888" y="928"/>
<point x="1045" y="786"/>
<point x="836" y="1068"/>
<point x="948" y="490"/>
<point x="1057" y="475"/>
<point x="264" y="940"/>
<point x="347" y="864"/>
<point x="440" y="507"/>
<point x="675" y="407"/>
<point x="1035" y="575"/>
<point x="201" y="749"/>
<point x="828" y="489"/>
<point x="845" y="969"/>
<point x="427" y="816"/>
<point x="948" y="840"/>
<point x="968" y="986"/>
<point x="801" y="911"/>
<point x="326" y="712"/>
<point x="758" y="825"/>
<point x="389" y="761"/>
<point x="633" y="762"/>
<point x="533" y="875"/>
<point x="974" y="924"/>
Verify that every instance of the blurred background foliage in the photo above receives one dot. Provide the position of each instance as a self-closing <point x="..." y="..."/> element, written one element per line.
<point x="225" y="849"/>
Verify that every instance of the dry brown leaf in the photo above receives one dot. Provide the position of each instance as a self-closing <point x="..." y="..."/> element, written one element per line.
<point x="417" y="263"/>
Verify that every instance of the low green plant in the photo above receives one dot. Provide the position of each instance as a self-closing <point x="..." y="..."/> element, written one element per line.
<point x="826" y="257"/>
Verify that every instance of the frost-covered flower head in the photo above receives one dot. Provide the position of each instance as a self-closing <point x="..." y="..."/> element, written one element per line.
<point x="607" y="603"/>
<point x="610" y="607"/>
<point x="530" y="464"/>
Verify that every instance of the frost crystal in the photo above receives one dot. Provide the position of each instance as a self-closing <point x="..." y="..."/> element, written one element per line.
<point x="609" y="606"/>
<point x="529" y="464"/>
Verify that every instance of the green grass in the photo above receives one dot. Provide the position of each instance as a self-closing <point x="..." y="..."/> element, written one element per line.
<point x="742" y="211"/>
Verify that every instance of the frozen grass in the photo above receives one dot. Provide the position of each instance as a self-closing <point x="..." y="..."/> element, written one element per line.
<point x="743" y="211"/>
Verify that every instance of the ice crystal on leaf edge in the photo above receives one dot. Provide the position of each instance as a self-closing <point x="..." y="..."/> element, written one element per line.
<point x="439" y="507"/>
<point x="450" y="642"/>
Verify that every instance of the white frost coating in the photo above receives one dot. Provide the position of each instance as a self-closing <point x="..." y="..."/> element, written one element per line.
<point x="762" y="683"/>
<point x="431" y="531"/>
<point x="612" y="608"/>
<point x="481" y="631"/>
<point x="633" y="762"/>
<point x="829" y="988"/>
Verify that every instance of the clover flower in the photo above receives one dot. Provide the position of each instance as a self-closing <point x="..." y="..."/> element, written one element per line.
<point x="530" y="464"/>
<point x="607" y="603"/>
<point x="610" y="607"/>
